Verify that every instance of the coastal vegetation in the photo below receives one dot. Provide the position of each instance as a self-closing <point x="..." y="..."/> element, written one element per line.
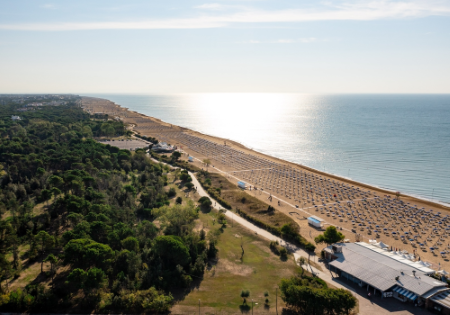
<point x="87" y="226"/>
<point x="149" y="139"/>
<point x="330" y="236"/>
<point x="308" y="295"/>
<point x="92" y="228"/>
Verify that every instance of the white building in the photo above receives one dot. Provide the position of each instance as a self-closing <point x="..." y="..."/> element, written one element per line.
<point x="13" y="117"/>
<point x="163" y="147"/>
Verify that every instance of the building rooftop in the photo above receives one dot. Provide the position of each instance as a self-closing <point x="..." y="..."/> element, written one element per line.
<point x="442" y="298"/>
<point x="380" y="270"/>
<point x="162" y="146"/>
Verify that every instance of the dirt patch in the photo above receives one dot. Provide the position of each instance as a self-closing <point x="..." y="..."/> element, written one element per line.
<point x="225" y="265"/>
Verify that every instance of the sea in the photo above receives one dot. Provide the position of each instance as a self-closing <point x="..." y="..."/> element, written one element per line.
<point x="399" y="142"/>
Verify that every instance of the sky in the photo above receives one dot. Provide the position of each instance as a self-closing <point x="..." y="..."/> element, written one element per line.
<point x="225" y="46"/>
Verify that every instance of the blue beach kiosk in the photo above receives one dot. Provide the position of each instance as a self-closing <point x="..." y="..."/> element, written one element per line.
<point x="242" y="185"/>
<point x="315" y="221"/>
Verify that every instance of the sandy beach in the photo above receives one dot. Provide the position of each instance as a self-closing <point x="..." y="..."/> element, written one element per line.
<point x="409" y="225"/>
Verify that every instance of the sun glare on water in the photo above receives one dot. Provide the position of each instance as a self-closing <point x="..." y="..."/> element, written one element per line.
<point x="244" y="115"/>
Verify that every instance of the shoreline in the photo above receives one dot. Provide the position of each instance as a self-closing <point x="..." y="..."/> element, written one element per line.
<point x="372" y="187"/>
<point x="311" y="169"/>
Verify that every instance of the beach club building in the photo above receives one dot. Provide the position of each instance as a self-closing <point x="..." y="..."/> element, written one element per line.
<point x="389" y="275"/>
<point x="163" y="147"/>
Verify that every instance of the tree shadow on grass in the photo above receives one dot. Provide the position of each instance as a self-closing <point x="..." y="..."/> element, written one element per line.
<point x="287" y="311"/>
<point x="205" y="210"/>
<point x="212" y="263"/>
<point x="244" y="308"/>
<point x="181" y="293"/>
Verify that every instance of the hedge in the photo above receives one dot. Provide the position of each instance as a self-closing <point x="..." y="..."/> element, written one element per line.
<point x="298" y="239"/>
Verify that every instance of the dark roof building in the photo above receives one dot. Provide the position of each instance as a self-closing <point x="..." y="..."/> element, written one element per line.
<point x="380" y="270"/>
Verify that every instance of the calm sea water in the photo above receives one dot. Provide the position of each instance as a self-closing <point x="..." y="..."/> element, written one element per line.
<point x="399" y="142"/>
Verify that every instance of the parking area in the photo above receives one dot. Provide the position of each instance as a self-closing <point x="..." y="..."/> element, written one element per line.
<point x="126" y="144"/>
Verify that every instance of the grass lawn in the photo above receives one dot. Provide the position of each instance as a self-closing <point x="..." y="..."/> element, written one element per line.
<point x="260" y="271"/>
<point x="27" y="275"/>
<point x="181" y="192"/>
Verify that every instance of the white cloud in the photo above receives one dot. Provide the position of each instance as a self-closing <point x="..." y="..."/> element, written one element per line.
<point x="308" y="40"/>
<point x="48" y="6"/>
<point x="350" y="11"/>
<point x="220" y="7"/>
<point x="283" y="41"/>
<point x="210" y="6"/>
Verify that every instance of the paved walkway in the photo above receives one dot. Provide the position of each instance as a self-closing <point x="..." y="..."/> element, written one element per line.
<point x="375" y="305"/>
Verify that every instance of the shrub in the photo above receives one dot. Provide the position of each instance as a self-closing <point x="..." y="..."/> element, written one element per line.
<point x="283" y="253"/>
<point x="274" y="247"/>
<point x="245" y="294"/>
<point x="171" y="193"/>
<point x="179" y="200"/>
<point x="205" y="202"/>
<point x="310" y="247"/>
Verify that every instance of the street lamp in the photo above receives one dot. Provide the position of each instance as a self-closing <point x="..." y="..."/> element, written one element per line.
<point x="252" y="306"/>
<point x="198" y="306"/>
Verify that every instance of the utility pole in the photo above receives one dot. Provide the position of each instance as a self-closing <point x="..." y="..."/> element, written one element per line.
<point x="252" y="306"/>
<point x="198" y="306"/>
<point x="276" y="300"/>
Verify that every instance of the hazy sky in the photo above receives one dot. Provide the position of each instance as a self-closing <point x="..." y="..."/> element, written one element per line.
<point x="169" y="46"/>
